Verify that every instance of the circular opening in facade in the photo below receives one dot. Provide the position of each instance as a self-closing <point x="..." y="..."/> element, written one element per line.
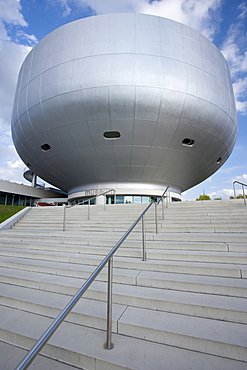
<point x="45" y="147"/>
<point x="219" y="160"/>
<point x="111" y="134"/>
<point x="188" y="142"/>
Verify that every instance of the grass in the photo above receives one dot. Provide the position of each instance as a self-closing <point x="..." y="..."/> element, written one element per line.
<point x="8" y="211"/>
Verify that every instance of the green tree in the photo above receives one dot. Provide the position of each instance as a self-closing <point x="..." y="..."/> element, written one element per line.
<point x="203" y="197"/>
<point x="240" y="196"/>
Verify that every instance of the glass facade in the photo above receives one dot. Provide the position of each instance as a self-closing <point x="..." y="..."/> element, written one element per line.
<point x="84" y="201"/>
<point x="124" y="199"/>
<point x="15" y="199"/>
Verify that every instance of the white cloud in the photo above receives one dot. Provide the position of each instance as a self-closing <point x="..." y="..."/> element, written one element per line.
<point x="198" y="14"/>
<point x="64" y="5"/>
<point x="201" y="15"/>
<point x="242" y="178"/>
<point x="11" y="166"/>
<point x="243" y="10"/>
<point x="12" y="54"/>
<point x="234" y="50"/>
<point x="240" y="88"/>
<point x="11" y="57"/>
<point x="224" y="194"/>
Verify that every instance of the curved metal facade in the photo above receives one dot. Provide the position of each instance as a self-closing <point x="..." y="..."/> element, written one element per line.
<point x="160" y="86"/>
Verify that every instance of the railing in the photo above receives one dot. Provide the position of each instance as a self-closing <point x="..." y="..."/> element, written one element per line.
<point x="240" y="183"/>
<point x="34" y="351"/>
<point x="87" y="201"/>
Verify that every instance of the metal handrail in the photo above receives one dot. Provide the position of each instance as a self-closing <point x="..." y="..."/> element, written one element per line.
<point x="240" y="183"/>
<point x="34" y="351"/>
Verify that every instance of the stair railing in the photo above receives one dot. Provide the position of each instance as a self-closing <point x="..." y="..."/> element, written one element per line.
<point x="34" y="351"/>
<point x="234" y="189"/>
<point x="87" y="201"/>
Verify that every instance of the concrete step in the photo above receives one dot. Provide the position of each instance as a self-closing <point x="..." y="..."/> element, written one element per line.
<point x="134" y="250"/>
<point x="227" y="228"/>
<point x="185" y="282"/>
<point x="82" y="347"/>
<point x="192" y="304"/>
<point x="199" y="268"/>
<point x="194" y="283"/>
<point x="169" y="236"/>
<point x="210" y="336"/>
<point x="11" y="356"/>
<point x="198" y="217"/>
<point x="122" y="276"/>
<point x="190" y="293"/>
<point x="129" y="243"/>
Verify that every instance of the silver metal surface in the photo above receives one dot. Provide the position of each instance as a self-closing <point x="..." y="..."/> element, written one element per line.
<point x="144" y="253"/>
<point x="109" y="344"/>
<point x="64" y="216"/>
<point x="153" y="80"/>
<point x="156" y="218"/>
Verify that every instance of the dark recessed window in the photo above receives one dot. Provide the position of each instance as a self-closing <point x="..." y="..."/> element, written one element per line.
<point x="188" y="142"/>
<point x="45" y="147"/>
<point x="111" y="135"/>
<point x="219" y="160"/>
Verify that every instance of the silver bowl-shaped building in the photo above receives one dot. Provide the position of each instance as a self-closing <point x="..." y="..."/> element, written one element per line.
<point x="130" y="102"/>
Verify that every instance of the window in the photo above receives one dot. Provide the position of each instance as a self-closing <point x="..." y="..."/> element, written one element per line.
<point x="45" y="147"/>
<point x="111" y="135"/>
<point x="188" y="142"/>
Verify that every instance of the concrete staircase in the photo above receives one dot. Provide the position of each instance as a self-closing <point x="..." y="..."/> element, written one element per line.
<point x="183" y="308"/>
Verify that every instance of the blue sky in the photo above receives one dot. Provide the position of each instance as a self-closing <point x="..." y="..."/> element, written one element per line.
<point x="24" y="22"/>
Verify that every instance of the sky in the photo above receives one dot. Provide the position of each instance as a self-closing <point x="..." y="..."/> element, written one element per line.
<point x="23" y="23"/>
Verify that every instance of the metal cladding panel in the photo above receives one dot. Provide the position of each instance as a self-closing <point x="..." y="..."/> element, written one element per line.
<point x="151" y="81"/>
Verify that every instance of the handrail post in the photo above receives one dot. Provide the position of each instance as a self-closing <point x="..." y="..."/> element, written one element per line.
<point x="109" y="344"/>
<point x="144" y="255"/>
<point x="88" y="210"/>
<point x="104" y="201"/>
<point x="234" y="189"/>
<point x="244" y="195"/>
<point x="64" y="209"/>
<point x="163" y="213"/>
<point x="156" y="218"/>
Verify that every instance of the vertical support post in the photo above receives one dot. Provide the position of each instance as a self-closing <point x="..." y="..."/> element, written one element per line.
<point x="244" y="195"/>
<point x="156" y="218"/>
<point x="234" y="191"/>
<point x="64" y="216"/>
<point x="105" y="201"/>
<point x="163" y="213"/>
<point x="88" y="210"/>
<point x="144" y="255"/>
<point x="34" y="180"/>
<point x="109" y="344"/>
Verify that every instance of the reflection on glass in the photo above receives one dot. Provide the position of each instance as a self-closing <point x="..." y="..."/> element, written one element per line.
<point x="128" y="199"/>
